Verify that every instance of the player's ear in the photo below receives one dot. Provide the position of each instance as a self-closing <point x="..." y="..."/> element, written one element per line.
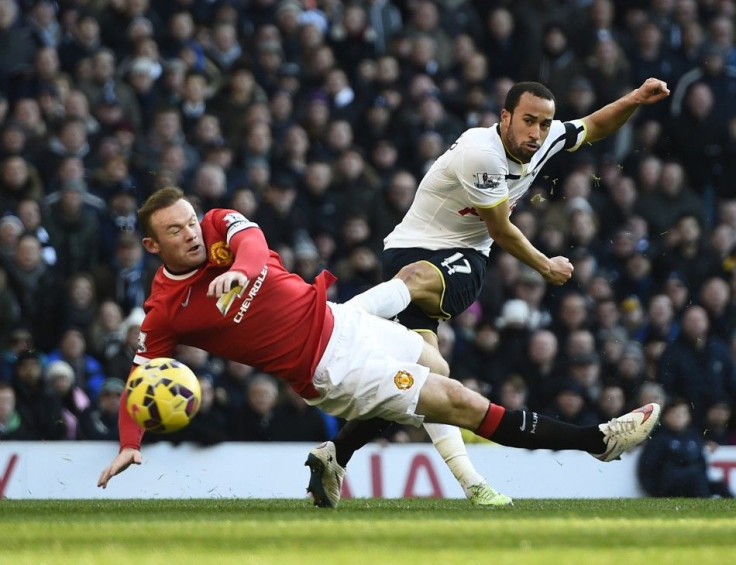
<point x="505" y="117"/>
<point x="150" y="244"/>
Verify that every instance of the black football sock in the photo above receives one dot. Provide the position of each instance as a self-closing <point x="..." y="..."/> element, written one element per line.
<point x="531" y="430"/>
<point x="354" y="435"/>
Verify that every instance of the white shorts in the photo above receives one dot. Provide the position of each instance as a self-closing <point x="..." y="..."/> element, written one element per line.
<point x="369" y="369"/>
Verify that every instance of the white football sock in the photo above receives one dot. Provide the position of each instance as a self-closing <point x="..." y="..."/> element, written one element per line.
<point x="449" y="443"/>
<point x="384" y="300"/>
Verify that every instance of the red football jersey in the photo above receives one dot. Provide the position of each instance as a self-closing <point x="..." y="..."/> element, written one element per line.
<point x="277" y="323"/>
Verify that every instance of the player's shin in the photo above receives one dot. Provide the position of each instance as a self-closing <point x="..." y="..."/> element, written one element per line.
<point x="531" y="430"/>
<point x="354" y="435"/>
<point x="449" y="443"/>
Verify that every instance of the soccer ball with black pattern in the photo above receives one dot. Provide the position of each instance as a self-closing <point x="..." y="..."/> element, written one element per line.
<point x="163" y="395"/>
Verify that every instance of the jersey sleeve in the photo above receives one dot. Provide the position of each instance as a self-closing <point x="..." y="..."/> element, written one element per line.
<point x="482" y="174"/>
<point x="155" y="339"/>
<point x="229" y="222"/>
<point x="575" y="134"/>
<point x="245" y="239"/>
<point x="130" y="433"/>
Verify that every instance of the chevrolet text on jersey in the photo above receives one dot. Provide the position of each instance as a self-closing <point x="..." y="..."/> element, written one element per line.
<point x="251" y="295"/>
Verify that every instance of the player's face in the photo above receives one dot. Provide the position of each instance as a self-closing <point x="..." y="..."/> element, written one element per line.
<point x="178" y="237"/>
<point x="524" y="130"/>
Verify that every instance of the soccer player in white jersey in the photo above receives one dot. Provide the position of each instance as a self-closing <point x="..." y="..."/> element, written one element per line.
<point x="436" y="257"/>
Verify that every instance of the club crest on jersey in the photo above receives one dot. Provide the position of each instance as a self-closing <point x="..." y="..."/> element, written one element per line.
<point x="403" y="380"/>
<point x="487" y="180"/>
<point x="221" y="254"/>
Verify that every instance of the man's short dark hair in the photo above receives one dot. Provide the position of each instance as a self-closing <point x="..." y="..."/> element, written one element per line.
<point x="157" y="201"/>
<point x="534" y="88"/>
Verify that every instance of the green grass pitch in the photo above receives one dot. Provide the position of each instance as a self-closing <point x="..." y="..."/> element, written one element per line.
<point x="370" y="531"/>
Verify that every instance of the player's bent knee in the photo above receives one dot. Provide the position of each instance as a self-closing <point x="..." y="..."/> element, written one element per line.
<point x="447" y="401"/>
<point x="422" y="280"/>
<point x="458" y="395"/>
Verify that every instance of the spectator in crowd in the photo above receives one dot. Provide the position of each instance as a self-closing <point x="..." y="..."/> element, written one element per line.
<point x="715" y="297"/>
<point x="100" y="420"/>
<point x="513" y="393"/>
<point x="74" y="230"/>
<point x="570" y="405"/>
<point x="18" y="340"/>
<point x="611" y="401"/>
<point x="19" y="180"/>
<point x="105" y="334"/>
<point x="40" y="410"/>
<point x="11" y="229"/>
<point x="556" y="64"/>
<point x="253" y="420"/>
<point x="38" y="290"/>
<point x="661" y="322"/>
<point x="12" y="425"/>
<point x="29" y="213"/>
<point x="117" y="365"/>
<point x="717" y="423"/>
<point x="61" y="381"/>
<point x="713" y="72"/>
<point x="671" y="200"/>
<point x="697" y="364"/>
<point x="295" y="420"/>
<point x="673" y="462"/>
<point x="540" y="368"/>
<point x="697" y="138"/>
<point x="127" y="276"/>
<point x="685" y="251"/>
<point x="72" y="348"/>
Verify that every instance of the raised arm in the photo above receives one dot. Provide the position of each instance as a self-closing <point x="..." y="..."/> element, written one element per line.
<point x="251" y="253"/>
<point x="610" y="118"/>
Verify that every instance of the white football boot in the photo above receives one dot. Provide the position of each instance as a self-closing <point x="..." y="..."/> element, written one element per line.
<point x="325" y="479"/>
<point x="628" y="431"/>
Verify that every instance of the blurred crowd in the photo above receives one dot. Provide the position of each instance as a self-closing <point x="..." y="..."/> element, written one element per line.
<point x="317" y="119"/>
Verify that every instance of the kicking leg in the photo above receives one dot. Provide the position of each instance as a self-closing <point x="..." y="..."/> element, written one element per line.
<point x="448" y="401"/>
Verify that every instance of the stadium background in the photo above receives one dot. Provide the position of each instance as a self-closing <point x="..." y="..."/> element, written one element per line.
<point x="317" y="120"/>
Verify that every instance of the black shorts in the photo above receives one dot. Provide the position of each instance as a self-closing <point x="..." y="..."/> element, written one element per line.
<point x="463" y="272"/>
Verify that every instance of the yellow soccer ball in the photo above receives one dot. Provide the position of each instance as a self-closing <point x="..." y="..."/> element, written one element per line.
<point x="163" y="395"/>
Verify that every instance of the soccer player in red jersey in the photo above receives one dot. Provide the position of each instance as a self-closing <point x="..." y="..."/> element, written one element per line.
<point x="222" y="289"/>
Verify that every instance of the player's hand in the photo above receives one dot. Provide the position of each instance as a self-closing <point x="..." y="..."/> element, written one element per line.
<point x="225" y="282"/>
<point x="122" y="461"/>
<point x="560" y="271"/>
<point x="653" y="90"/>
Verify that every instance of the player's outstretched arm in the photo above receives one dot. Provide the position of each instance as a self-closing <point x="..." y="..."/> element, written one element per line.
<point x="611" y="117"/>
<point x="122" y="461"/>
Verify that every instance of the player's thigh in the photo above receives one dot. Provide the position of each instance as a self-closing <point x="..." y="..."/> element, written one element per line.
<point x="370" y="369"/>
<point x="453" y="278"/>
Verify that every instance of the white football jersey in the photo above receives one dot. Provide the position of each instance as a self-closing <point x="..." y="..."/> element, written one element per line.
<point x="475" y="172"/>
